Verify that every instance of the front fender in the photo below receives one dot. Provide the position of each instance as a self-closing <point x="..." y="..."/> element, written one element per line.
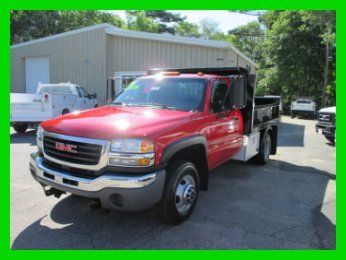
<point x="180" y="144"/>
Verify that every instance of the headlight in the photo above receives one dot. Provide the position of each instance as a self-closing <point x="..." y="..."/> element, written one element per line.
<point x="39" y="137"/>
<point x="132" y="152"/>
<point x="132" y="146"/>
<point x="39" y="133"/>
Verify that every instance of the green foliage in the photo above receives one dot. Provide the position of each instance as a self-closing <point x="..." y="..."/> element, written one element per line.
<point x="166" y="21"/>
<point x="294" y="54"/>
<point x="209" y="29"/>
<point x="139" y="21"/>
<point x="187" y="29"/>
<point x="249" y="39"/>
<point x="29" y="25"/>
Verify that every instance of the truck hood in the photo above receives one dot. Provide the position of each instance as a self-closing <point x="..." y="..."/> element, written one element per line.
<point x="110" y="122"/>
<point x="328" y="110"/>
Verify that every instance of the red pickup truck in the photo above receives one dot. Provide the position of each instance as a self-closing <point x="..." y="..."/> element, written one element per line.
<point x="156" y="143"/>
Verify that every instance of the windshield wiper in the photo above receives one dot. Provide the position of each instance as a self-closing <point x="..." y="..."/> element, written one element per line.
<point x="119" y="104"/>
<point x="156" y="105"/>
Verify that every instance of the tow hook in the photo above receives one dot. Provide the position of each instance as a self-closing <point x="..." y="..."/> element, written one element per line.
<point x="96" y="205"/>
<point x="52" y="191"/>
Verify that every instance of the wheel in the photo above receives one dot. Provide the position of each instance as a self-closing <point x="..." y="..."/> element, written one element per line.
<point x="264" y="151"/>
<point x="293" y="115"/>
<point x="65" y="111"/>
<point x="20" y="128"/>
<point x="180" y="193"/>
<point x="331" y="139"/>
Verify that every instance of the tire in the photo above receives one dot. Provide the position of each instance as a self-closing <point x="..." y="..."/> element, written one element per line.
<point x="293" y="115"/>
<point x="65" y="111"/>
<point x="331" y="139"/>
<point x="181" y="191"/>
<point x="264" y="151"/>
<point x="20" y="128"/>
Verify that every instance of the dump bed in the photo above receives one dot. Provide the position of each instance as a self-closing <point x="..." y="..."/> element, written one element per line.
<point x="267" y="109"/>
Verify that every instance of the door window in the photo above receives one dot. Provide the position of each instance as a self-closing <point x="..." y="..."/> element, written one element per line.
<point x="79" y="92"/>
<point x="219" y="100"/>
<point x="84" y="92"/>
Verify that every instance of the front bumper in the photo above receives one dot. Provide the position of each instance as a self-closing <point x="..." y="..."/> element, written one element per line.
<point x="327" y="130"/>
<point x="115" y="191"/>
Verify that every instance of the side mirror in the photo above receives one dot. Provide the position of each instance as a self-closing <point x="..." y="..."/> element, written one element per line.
<point x="237" y="95"/>
<point x="92" y="95"/>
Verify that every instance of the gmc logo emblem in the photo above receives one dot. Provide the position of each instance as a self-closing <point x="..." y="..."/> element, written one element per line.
<point x="71" y="148"/>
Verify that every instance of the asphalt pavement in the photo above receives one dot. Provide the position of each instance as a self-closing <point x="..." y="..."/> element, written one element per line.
<point x="287" y="204"/>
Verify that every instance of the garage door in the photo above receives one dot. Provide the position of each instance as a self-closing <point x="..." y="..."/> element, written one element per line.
<point x="36" y="70"/>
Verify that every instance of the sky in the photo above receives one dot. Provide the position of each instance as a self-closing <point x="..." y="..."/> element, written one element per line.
<point x="225" y="19"/>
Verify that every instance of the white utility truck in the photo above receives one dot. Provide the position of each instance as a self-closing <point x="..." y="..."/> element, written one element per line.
<point x="50" y="100"/>
<point x="303" y="106"/>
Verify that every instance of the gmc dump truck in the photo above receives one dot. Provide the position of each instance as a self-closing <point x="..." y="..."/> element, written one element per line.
<point x="157" y="142"/>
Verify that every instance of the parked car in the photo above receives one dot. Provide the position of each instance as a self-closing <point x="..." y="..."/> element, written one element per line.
<point x="326" y="124"/>
<point x="51" y="100"/>
<point x="157" y="142"/>
<point x="303" y="106"/>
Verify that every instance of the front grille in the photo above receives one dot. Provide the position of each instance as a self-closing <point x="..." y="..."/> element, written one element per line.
<point x="83" y="153"/>
<point x="326" y="118"/>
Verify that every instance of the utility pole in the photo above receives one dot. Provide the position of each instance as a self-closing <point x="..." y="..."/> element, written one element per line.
<point x="326" y="70"/>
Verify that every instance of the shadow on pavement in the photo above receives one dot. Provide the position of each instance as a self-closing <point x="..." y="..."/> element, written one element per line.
<point x="247" y="206"/>
<point x="29" y="137"/>
<point x="291" y="135"/>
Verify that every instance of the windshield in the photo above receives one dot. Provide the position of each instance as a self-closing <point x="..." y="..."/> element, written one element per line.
<point x="174" y="93"/>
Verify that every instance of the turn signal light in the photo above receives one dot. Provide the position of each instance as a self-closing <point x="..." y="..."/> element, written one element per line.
<point x="146" y="146"/>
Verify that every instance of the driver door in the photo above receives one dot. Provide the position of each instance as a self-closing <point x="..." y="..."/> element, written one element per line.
<point x="85" y="101"/>
<point x="223" y="133"/>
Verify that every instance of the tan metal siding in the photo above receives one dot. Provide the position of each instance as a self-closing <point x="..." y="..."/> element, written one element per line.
<point x="131" y="54"/>
<point x="243" y="63"/>
<point x="78" y="58"/>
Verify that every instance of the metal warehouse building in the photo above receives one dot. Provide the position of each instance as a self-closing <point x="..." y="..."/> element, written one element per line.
<point x="90" y="55"/>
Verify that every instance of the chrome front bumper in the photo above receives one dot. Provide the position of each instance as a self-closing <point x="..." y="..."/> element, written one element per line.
<point x="115" y="191"/>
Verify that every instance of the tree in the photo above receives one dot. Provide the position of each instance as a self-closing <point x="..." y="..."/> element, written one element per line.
<point x="166" y="21"/>
<point x="249" y="39"/>
<point x="295" y="54"/>
<point x="29" y="25"/>
<point x="209" y="28"/>
<point x="187" y="29"/>
<point x="138" y="21"/>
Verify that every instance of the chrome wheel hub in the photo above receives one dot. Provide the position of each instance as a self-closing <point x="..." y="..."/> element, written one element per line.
<point x="189" y="194"/>
<point x="185" y="194"/>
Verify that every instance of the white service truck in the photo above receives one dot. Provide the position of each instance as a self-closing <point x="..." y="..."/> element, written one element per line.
<point x="303" y="106"/>
<point x="50" y="100"/>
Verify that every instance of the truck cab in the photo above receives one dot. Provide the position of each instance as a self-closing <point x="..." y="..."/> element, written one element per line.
<point x="326" y="124"/>
<point x="157" y="142"/>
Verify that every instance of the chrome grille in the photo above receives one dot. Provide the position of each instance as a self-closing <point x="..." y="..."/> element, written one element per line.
<point x="84" y="153"/>
<point x="326" y="118"/>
